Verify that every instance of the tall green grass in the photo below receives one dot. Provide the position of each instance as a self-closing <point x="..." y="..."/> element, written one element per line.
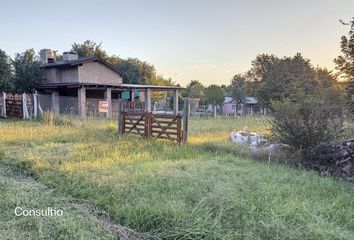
<point x="203" y="190"/>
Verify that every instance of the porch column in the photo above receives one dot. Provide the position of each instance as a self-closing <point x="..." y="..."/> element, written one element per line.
<point x="55" y="101"/>
<point x="175" y="101"/>
<point x="81" y="96"/>
<point x="108" y="95"/>
<point x="148" y="100"/>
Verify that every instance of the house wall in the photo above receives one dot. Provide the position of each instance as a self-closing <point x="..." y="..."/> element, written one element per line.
<point x="50" y="75"/>
<point x="69" y="75"/>
<point x="54" y="75"/>
<point x="229" y="108"/>
<point x="90" y="72"/>
<point x="95" y="72"/>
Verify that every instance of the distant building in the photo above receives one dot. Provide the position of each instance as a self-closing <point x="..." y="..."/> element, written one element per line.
<point x="248" y="106"/>
<point x="229" y="106"/>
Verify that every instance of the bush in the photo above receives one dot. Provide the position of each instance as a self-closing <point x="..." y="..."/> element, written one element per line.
<point x="305" y="123"/>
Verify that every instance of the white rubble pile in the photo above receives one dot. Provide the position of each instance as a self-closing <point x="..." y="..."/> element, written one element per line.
<point x="255" y="141"/>
<point x="250" y="138"/>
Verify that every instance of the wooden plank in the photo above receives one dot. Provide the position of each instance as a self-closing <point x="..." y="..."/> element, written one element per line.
<point x="167" y="122"/>
<point x="134" y="127"/>
<point x="166" y="127"/>
<point x="132" y="124"/>
<point x="168" y="138"/>
<point x="130" y="113"/>
<point x="161" y="133"/>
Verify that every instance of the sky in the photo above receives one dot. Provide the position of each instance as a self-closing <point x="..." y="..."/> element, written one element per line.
<point x="208" y="41"/>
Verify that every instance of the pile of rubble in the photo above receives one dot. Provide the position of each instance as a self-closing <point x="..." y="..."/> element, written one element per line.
<point x="335" y="159"/>
<point x="256" y="141"/>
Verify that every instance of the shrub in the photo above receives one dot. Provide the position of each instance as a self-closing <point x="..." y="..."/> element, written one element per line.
<point x="306" y="122"/>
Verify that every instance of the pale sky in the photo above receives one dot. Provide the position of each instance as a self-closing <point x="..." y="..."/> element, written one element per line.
<point x="209" y="41"/>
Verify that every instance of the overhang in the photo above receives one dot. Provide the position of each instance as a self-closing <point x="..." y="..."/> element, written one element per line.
<point x="122" y="87"/>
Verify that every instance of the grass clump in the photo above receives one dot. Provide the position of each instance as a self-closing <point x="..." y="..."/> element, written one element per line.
<point x="50" y="118"/>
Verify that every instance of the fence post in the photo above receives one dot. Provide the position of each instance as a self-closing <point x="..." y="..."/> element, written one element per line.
<point x="214" y="110"/>
<point x="3" y="113"/>
<point x="24" y="106"/>
<point x="146" y="124"/>
<point x="39" y="104"/>
<point x="120" y="119"/>
<point x="179" y="128"/>
<point x="123" y="121"/>
<point x="35" y="105"/>
<point x="185" y="119"/>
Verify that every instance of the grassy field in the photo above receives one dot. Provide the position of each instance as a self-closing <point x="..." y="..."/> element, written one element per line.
<point x="107" y="184"/>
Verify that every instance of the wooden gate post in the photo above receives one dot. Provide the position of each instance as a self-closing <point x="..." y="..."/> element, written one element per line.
<point x="179" y="128"/>
<point x="148" y="124"/>
<point x="3" y="113"/>
<point x="120" y="116"/>
<point x="185" y="119"/>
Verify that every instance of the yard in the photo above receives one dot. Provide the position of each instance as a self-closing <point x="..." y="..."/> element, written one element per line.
<point x="109" y="185"/>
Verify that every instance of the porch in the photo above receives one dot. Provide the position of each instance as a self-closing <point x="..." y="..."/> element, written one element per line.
<point x="85" y="99"/>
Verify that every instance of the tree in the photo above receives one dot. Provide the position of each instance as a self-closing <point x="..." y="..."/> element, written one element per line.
<point x="194" y="89"/>
<point x="238" y="88"/>
<point x="345" y="63"/>
<point x="287" y="78"/>
<point x="5" y="72"/>
<point x="89" y="48"/>
<point x="325" y="78"/>
<point x="261" y="67"/>
<point x="214" y="94"/>
<point x="137" y="71"/>
<point x="27" y="71"/>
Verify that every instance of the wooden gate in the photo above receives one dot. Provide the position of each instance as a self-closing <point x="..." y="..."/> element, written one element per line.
<point x="14" y="108"/>
<point x="147" y="124"/>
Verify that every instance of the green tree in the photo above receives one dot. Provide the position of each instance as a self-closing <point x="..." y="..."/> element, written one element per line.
<point x="325" y="78"/>
<point x="89" y="48"/>
<point x="137" y="71"/>
<point x="261" y="67"/>
<point x="27" y="71"/>
<point x="194" y="89"/>
<point x="287" y="78"/>
<point x="5" y="72"/>
<point x="214" y="93"/>
<point x="238" y="88"/>
<point x="345" y="63"/>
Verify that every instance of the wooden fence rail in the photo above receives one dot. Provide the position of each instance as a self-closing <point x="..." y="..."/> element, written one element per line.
<point x="14" y="108"/>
